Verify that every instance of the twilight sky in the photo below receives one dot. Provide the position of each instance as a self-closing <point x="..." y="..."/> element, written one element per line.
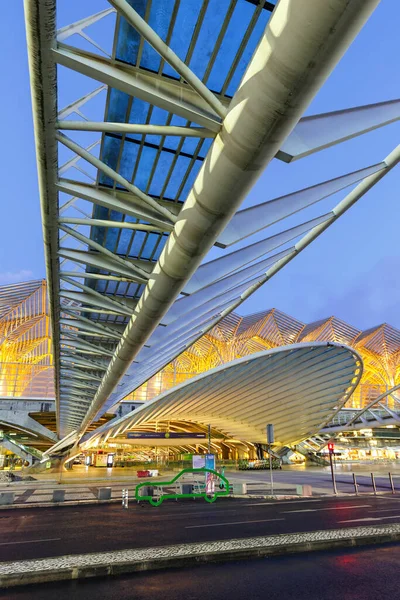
<point x="352" y="271"/>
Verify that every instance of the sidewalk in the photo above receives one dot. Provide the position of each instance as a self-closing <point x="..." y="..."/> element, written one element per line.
<point x="127" y="561"/>
<point x="40" y="493"/>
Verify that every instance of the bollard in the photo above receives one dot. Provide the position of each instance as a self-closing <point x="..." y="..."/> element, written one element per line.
<point x="239" y="489"/>
<point x="6" y="498"/>
<point x="355" y="484"/>
<point x="187" y="488"/>
<point x="58" y="495"/>
<point x="391" y="483"/>
<point x="104" y="493"/>
<point x="125" y="498"/>
<point x="373" y="483"/>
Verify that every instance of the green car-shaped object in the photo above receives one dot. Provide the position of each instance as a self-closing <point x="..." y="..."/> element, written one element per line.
<point x="220" y="487"/>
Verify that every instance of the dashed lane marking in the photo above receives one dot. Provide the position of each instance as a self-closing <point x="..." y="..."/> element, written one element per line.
<point x="370" y="519"/>
<point x="30" y="541"/>
<point x="329" y="508"/>
<point x="232" y="523"/>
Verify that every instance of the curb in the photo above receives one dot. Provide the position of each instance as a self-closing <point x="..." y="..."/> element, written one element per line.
<point x="118" y="500"/>
<point x="276" y="497"/>
<point x="116" y="563"/>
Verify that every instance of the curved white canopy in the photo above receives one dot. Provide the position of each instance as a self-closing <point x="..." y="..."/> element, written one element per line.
<point x="298" y="388"/>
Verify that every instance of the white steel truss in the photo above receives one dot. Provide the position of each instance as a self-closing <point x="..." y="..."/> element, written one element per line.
<point x="127" y="237"/>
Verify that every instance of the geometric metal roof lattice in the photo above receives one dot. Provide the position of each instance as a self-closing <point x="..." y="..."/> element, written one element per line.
<point x="383" y="339"/>
<point x="14" y="294"/>
<point x="329" y="329"/>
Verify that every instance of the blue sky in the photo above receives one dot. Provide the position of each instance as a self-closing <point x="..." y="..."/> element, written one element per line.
<point x="352" y="271"/>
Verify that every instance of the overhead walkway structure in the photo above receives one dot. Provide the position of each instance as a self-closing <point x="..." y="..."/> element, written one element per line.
<point x="14" y="412"/>
<point x="142" y="175"/>
<point x="376" y="414"/>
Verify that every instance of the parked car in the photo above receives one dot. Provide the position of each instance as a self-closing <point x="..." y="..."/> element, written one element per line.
<point x="206" y="483"/>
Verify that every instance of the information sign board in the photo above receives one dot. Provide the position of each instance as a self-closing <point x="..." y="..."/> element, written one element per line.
<point x="163" y="435"/>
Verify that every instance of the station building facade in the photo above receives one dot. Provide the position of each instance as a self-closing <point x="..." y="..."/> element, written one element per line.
<point x="237" y="336"/>
<point x="26" y="362"/>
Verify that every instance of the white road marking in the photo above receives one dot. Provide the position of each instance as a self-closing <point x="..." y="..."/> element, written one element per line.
<point x="30" y="541"/>
<point x="329" y="508"/>
<point x="371" y="519"/>
<point x="386" y="498"/>
<point x="379" y="510"/>
<point x="232" y="523"/>
<point x="265" y="503"/>
<point x="285" y="512"/>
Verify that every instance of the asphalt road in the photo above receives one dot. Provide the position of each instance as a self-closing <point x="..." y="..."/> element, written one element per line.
<point x="44" y="532"/>
<point x="362" y="574"/>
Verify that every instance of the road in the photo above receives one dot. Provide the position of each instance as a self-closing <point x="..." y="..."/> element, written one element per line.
<point x="362" y="574"/>
<point x="44" y="532"/>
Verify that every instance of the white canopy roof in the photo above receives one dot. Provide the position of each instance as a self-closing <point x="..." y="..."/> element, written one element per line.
<point x="298" y="388"/>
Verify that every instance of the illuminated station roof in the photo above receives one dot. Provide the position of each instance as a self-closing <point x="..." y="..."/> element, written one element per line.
<point x="152" y="122"/>
<point x="237" y="336"/>
<point x="297" y="388"/>
<point x="25" y="345"/>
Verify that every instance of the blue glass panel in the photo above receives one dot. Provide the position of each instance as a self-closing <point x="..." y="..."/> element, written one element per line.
<point x="100" y="285"/>
<point x="178" y="173"/>
<point x="160" y="247"/>
<point x="150" y="245"/>
<point x="122" y="288"/>
<point x="190" y="145"/>
<point x="111" y="287"/>
<point x="172" y="142"/>
<point x="128" y="38"/>
<point x="129" y="219"/>
<point x="205" y="147"/>
<point x="230" y="44"/>
<point x="145" y="166"/>
<point x="128" y="159"/>
<point x="118" y="105"/>
<point x="248" y="51"/>
<point x="153" y="139"/>
<point x="185" y="23"/>
<point x="124" y="241"/>
<point x="208" y="36"/>
<point x="158" y="116"/>
<point x="110" y="236"/>
<point x="190" y="181"/>
<point x="137" y="244"/>
<point x="139" y="111"/>
<point x="163" y="166"/>
<point x="159" y="20"/>
<point x="179" y="121"/>
<point x="110" y="153"/>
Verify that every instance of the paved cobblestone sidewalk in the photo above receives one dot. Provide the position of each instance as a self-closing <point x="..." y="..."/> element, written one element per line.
<point x="193" y="550"/>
